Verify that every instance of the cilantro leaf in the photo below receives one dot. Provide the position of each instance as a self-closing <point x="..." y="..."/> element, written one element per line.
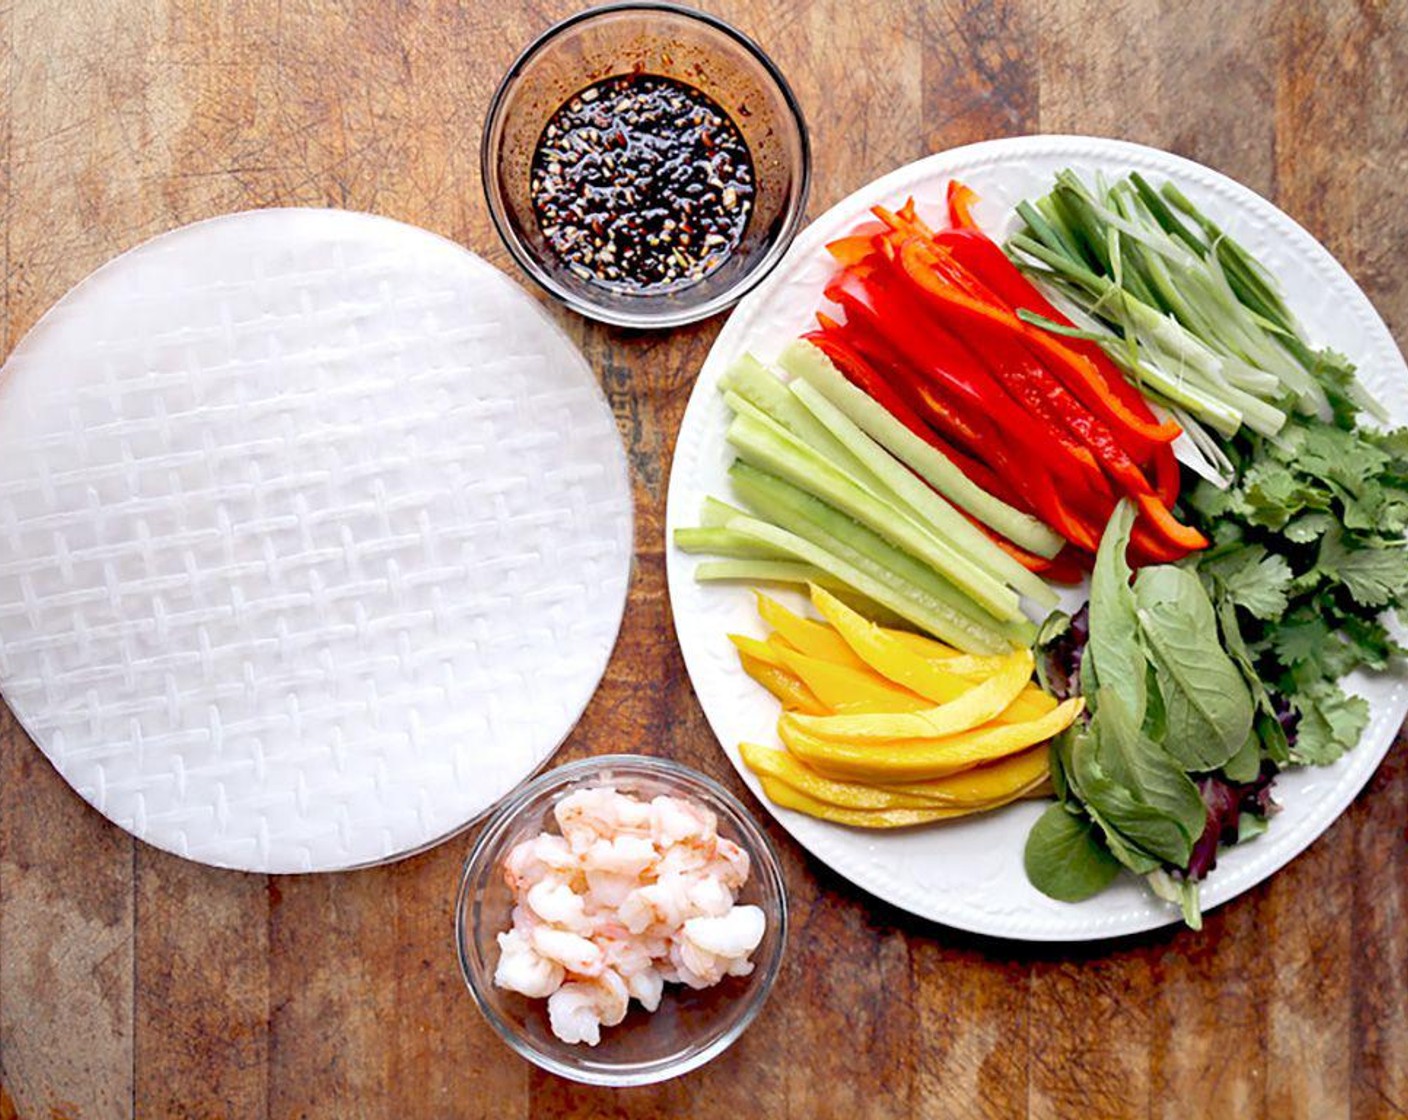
<point x="1330" y="723"/>
<point x="1374" y="576"/>
<point x="1300" y="639"/>
<point x="1257" y="581"/>
<point x="1273" y="495"/>
<point x="1393" y="442"/>
<point x="1335" y="456"/>
<point x="1307" y="527"/>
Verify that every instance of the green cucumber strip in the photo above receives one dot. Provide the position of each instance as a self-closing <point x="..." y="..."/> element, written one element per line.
<point x="742" y="406"/>
<point x="849" y="464"/>
<point x="792" y="572"/>
<point x="767" y="571"/>
<point x="802" y="359"/>
<point x="714" y="514"/>
<point x="759" y="446"/>
<point x="916" y="497"/>
<point x="956" y="631"/>
<point x="776" y="500"/>
<point x="721" y="542"/>
<point x="752" y="381"/>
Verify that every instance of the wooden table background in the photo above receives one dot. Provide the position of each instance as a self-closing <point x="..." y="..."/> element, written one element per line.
<point x="134" y="983"/>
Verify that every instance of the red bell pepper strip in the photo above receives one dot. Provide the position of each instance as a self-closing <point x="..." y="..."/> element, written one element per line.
<point x="917" y="390"/>
<point x="982" y="257"/>
<point x="924" y="343"/>
<point x="1169" y="527"/>
<point x="1147" y="547"/>
<point x="984" y="260"/>
<point x="850" y="251"/>
<point x="1062" y="518"/>
<point x="1069" y="565"/>
<point x="921" y="263"/>
<point x="960" y="203"/>
<point x="859" y="372"/>
<point x="887" y="315"/>
<point x="963" y="428"/>
<point x="1167" y="479"/>
<point x="1071" y="425"/>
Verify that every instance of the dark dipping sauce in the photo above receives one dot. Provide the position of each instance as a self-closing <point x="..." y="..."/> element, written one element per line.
<point x="642" y="183"/>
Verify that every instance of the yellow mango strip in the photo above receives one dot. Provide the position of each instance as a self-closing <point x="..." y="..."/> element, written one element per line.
<point x="845" y="689"/>
<point x="981" y="704"/>
<point x="757" y="649"/>
<point x="996" y="781"/>
<point x="783" y="767"/>
<point x="781" y="645"/>
<point x="1031" y="704"/>
<point x="923" y="645"/>
<point x="811" y="638"/>
<point x="919" y="759"/>
<point x="972" y="666"/>
<point x="780" y="793"/>
<point x="887" y="655"/>
<point x="795" y="696"/>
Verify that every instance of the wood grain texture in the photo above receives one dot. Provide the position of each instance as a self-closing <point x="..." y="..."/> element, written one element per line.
<point x="134" y="984"/>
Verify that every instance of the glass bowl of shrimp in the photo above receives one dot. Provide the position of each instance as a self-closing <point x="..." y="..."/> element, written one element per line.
<point x="621" y="920"/>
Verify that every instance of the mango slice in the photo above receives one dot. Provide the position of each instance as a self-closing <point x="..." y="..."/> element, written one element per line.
<point x="991" y="783"/>
<point x="783" y="767"/>
<point x="795" y="696"/>
<point x="756" y="648"/>
<point x="899" y="760"/>
<point x="978" y="788"/>
<point x="887" y="655"/>
<point x="780" y="793"/>
<point x="923" y="645"/>
<point x="980" y="704"/>
<point x="884" y="728"/>
<point x="811" y="638"/>
<point x="844" y="688"/>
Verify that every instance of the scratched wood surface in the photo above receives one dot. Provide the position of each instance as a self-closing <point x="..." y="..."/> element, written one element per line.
<point x="133" y="983"/>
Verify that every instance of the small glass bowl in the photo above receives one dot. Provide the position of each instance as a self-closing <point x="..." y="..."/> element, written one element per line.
<point x="653" y="38"/>
<point x="690" y="1027"/>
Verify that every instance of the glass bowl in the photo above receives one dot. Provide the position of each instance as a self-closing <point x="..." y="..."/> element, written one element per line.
<point x="663" y="39"/>
<point x="690" y="1027"/>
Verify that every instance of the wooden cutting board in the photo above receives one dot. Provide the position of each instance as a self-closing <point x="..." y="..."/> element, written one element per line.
<point x="135" y="983"/>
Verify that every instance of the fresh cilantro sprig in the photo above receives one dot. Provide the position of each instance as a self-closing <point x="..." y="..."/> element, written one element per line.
<point x="1308" y="544"/>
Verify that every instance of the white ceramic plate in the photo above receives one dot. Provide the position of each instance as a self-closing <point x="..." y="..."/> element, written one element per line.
<point x="969" y="873"/>
<point x="316" y="536"/>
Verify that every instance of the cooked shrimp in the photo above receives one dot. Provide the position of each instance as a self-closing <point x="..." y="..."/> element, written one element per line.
<point x="708" y="897"/>
<point x="575" y="953"/>
<point x="646" y="987"/>
<point x="555" y="902"/>
<point x="631" y="896"/>
<point x="663" y="903"/>
<point x="522" y="969"/>
<point x="578" y="1010"/>
<point x="623" y="855"/>
<point x="675" y="821"/>
<point x="734" y="934"/>
<point x="607" y="891"/>
<point x="530" y="861"/>
<point x="731" y="863"/>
